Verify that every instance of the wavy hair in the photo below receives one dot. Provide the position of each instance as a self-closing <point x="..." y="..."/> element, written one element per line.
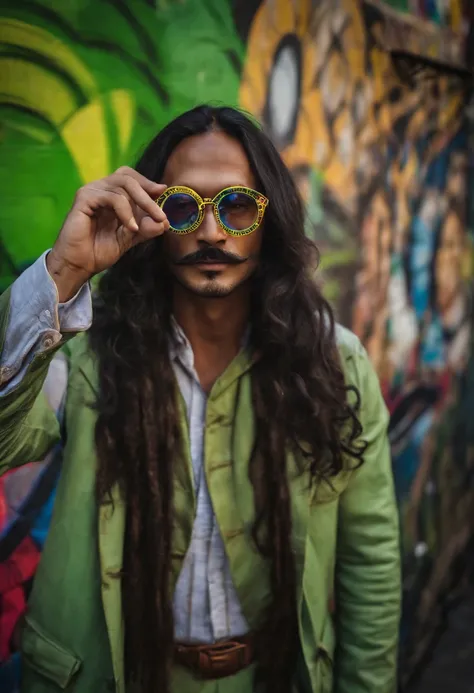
<point x="300" y="402"/>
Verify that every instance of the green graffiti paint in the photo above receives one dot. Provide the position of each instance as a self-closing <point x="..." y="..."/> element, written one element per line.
<point x="84" y="86"/>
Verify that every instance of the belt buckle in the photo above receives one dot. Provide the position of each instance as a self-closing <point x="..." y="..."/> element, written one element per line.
<point x="227" y="658"/>
<point x="214" y="661"/>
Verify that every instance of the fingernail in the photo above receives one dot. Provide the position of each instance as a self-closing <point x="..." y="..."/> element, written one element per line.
<point x="133" y="224"/>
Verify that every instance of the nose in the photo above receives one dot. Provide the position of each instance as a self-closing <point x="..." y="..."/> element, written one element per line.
<point x="210" y="232"/>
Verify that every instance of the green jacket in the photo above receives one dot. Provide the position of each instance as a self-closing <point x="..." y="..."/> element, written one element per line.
<point x="345" y="538"/>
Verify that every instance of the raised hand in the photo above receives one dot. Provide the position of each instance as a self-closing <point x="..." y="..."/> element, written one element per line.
<point x="108" y="217"/>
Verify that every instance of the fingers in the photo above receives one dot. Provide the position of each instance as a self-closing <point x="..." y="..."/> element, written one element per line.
<point x="141" y="198"/>
<point x="97" y="198"/>
<point x="132" y="198"/>
<point x="153" y="189"/>
<point x="149" y="228"/>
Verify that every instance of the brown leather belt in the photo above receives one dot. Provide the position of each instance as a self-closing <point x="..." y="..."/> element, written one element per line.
<point x="216" y="661"/>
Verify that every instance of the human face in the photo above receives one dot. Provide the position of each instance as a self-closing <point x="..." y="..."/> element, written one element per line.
<point x="209" y="163"/>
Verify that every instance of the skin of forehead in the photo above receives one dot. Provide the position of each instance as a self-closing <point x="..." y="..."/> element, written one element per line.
<point x="209" y="163"/>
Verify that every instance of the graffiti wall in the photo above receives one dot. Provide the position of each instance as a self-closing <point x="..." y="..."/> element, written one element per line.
<point x="383" y="168"/>
<point x="448" y="13"/>
<point x="84" y="86"/>
<point x="381" y="164"/>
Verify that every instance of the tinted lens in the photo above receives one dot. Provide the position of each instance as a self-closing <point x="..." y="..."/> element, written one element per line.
<point x="182" y="211"/>
<point x="238" y="211"/>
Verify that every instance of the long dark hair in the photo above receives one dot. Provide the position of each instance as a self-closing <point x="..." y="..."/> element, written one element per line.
<point x="299" y="398"/>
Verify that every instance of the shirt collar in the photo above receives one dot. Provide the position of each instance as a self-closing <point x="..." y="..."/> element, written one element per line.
<point x="180" y="348"/>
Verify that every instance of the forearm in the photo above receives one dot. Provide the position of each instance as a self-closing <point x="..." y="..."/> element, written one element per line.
<point x="37" y="322"/>
<point x="68" y="280"/>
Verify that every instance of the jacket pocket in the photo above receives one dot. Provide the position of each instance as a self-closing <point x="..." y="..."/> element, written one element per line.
<point x="46" y="657"/>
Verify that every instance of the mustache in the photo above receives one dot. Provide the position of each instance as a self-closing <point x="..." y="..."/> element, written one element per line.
<point x="211" y="255"/>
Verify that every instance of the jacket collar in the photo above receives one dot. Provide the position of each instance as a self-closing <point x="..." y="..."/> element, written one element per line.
<point x="179" y="348"/>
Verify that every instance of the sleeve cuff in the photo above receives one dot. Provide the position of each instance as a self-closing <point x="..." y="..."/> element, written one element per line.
<point x="76" y="314"/>
<point x="36" y="319"/>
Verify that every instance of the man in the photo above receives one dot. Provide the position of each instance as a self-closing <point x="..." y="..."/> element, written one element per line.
<point x="226" y="469"/>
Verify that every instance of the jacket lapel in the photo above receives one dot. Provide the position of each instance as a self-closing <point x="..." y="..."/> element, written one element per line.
<point x="111" y="535"/>
<point x="112" y="517"/>
<point x="111" y="525"/>
<point x="228" y="446"/>
<point x="230" y="435"/>
<point x="184" y="499"/>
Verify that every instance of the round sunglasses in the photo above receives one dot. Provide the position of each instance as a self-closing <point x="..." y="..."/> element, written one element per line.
<point x="238" y="210"/>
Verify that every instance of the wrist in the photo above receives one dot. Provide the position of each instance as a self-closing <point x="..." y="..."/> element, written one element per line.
<point x="68" y="279"/>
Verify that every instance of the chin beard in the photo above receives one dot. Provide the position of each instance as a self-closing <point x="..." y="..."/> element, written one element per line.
<point x="213" y="286"/>
<point x="211" y="289"/>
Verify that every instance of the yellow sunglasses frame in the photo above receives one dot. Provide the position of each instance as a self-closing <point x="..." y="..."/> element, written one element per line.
<point x="260" y="199"/>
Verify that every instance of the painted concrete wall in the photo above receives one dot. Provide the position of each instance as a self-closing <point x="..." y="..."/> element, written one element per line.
<point x="444" y="12"/>
<point x="383" y="167"/>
